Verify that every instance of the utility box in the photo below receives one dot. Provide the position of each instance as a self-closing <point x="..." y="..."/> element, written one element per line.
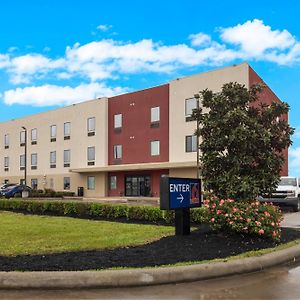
<point x="80" y="191"/>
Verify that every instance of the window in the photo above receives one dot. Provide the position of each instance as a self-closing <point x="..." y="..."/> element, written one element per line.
<point x="67" y="158"/>
<point x="53" y="133"/>
<point x="67" y="130"/>
<point x="91" y="156"/>
<point x="6" y="163"/>
<point x="91" y="126"/>
<point x="33" y="161"/>
<point x="118" y="121"/>
<point x="155" y="148"/>
<point x="67" y="183"/>
<point x="34" y="183"/>
<point x="155" y="114"/>
<point x="22" y="138"/>
<point x="22" y="162"/>
<point x="6" y="141"/>
<point x="33" y="136"/>
<point x="117" y="151"/>
<point x="53" y="159"/>
<point x="191" y="143"/>
<point x="190" y="104"/>
<point x="113" y="182"/>
<point x="91" y="182"/>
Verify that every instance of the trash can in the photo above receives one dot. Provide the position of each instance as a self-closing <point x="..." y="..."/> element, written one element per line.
<point x="25" y="194"/>
<point x="80" y="191"/>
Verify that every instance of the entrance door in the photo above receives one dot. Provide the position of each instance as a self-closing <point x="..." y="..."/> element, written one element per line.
<point x="137" y="186"/>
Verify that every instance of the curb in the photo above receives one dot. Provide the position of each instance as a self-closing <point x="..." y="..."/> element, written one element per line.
<point x="144" y="277"/>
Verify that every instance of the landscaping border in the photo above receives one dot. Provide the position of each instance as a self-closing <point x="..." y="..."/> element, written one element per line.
<point x="146" y="276"/>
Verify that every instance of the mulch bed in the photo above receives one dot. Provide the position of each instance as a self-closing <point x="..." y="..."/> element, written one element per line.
<point x="202" y="244"/>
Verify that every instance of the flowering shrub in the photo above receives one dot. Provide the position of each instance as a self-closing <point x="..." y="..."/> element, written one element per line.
<point x="251" y="217"/>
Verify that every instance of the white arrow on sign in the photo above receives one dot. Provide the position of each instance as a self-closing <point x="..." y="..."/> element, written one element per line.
<point x="180" y="198"/>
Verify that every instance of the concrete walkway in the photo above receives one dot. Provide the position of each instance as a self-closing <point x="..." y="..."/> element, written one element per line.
<point x="151" y="276"/>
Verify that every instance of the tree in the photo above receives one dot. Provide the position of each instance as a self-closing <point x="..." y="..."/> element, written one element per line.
<point x="241" y="144"/>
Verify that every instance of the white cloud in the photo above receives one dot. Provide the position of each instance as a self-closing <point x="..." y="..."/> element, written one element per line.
<point x="200" y="39"/>
<point x="47" y="95"/>
<point x="258" y="41"/>
<point x="4" y="61"/>
<point x="24" y="68"/>
<point x="104" y="27"/>
<point x="109" y="59"/>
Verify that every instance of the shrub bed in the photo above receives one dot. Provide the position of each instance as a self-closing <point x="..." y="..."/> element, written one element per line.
<point x="48" y="193"/>
<point x="98" y="210"/>
<point x="250" y="217"/>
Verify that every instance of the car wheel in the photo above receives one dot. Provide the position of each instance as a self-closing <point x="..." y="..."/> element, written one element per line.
<point x="297" y="207"/>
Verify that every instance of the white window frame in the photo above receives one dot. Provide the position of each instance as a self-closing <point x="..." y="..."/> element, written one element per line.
<point x="33" y="135"/>
<point x="193" y="146"/>
<point x="67" y="156"/>
<point x="117" y="151"/>
<point x="155" y="114"/>
<point x="188" y="111"/>
<point x="22" y="137"/>
<point x="118" y="121"/>
<point x="155" y="148"/>
<point x="53" y="131"/>
<point x="113" y="182"/>
<point x="91" y="124"/>
<point x="67" y="180"/>
<point x="22" y="161"/>
<point x="91" y="153"/>
<point x="53" y="156"/>
<point x="34" y="163"/>
<point x="6" y="162"/>
<point x="6" y="140"/>
<point x="67" y="129"/>
<point x="91" y="182"/>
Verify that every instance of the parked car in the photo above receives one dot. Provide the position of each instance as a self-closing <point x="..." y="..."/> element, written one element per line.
<point x="6" y="185"/>
<point x="15" y="191"/>
<point x="287" y="193"/>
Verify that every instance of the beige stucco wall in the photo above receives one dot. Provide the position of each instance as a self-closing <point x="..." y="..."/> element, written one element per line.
<point x="184" y="88"/>
<point x="183" y="172"/>
<point x="77" y="115"/>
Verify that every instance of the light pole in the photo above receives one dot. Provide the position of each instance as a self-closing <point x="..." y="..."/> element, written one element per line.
<point x="25" y="154"/>
<point x="197" y="97"/>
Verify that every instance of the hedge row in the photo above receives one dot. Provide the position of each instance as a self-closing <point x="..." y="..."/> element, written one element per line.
<point x="48" y="193"/>
<point x="98" y="210"/>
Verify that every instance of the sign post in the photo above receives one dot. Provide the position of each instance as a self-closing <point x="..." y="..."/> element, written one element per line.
<point x="180" y="194"/>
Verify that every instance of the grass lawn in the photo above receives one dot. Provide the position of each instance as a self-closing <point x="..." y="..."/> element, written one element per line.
<point x="27" y="234"/>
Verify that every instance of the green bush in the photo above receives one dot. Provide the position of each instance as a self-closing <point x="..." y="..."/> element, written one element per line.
<point x="98" y="210"/>
<point x="49" y="193"/>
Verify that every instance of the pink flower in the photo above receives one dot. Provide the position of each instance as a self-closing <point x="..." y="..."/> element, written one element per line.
<point x="273" y="224"/>
<point x="222" y="202"/>
<point x="212" y="220"/>
<point x="248" y="220"/>
<point x="219" y="212"/>
<point x="241" y="218"/>
<point x="226" y="215"/>
<point x="235" y="209"/>
<point x="266" y="214"/>
<point x="257" y="223"/>
<point x="261" y="231"/>
<point x="230" y="222"/>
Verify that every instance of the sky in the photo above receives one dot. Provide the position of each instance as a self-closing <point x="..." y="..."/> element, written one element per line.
<point x="58" y="52"/>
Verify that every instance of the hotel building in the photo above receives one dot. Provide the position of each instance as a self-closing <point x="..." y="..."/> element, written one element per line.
<point x="118" y="146"/>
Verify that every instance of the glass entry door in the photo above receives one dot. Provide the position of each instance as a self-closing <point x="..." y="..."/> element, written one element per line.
<point x="137" y="186"/>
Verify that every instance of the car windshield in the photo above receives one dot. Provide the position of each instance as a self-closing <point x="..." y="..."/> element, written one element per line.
<point x="10" y="187"/>
<point x="288" y="181"/>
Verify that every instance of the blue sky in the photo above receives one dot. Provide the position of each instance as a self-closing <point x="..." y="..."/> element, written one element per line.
<point x="54" y="53"/>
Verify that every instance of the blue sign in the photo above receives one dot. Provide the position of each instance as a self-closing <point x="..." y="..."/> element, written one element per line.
<point x="179" y="193"/>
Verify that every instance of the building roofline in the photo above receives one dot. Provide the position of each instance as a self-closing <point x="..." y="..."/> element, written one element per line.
<point x="210" y="71"/>
<point x="53" y="110"/>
